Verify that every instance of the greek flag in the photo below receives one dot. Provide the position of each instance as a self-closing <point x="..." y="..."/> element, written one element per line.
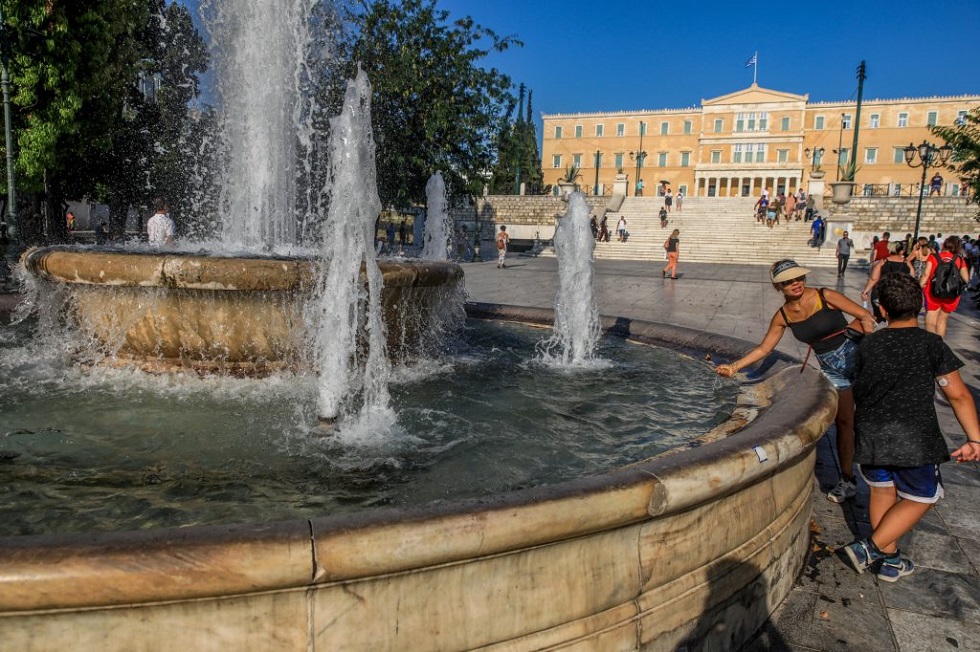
<point x="752" y="61"/>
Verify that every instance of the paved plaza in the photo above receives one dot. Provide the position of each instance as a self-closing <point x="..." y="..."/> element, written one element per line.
<point x="831" y="607"/>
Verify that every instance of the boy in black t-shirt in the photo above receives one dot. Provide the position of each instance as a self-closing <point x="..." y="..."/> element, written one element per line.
<point x="898" y="444"/>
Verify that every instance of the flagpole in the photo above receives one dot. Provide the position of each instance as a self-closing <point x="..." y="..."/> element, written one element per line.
<point x="755" y="66"/>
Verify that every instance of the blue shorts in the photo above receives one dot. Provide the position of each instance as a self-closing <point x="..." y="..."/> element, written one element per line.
<point x="923" y="484"/>
<point x="840" y="365"/>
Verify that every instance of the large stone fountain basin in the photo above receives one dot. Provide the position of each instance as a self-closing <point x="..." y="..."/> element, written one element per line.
<point x="692" y="548"/>
<point x="162" y="310"/>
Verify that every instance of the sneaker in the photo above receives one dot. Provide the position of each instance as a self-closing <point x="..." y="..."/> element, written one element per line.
<point x="893" y="568"/>
<point x="861" y="555"/>
<point x="844" y="490"/>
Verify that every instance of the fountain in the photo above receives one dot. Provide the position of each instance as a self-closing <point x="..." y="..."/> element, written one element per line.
<point x="695" y="542"/>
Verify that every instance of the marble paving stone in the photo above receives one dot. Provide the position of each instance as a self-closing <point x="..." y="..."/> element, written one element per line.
<point x="960" y="477"/>
<point x="809" y="621"/>
<point x="959" y="511"/>
<point x="935" y="593"/>
<point x="939" y="551"/>
<point x="916" y="633"/>
<point x="971" y="547"/>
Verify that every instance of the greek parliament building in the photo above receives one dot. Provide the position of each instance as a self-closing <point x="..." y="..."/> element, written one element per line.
<point x="737" y="144"/>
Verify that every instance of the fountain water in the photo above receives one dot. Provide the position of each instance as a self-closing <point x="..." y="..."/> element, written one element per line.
<point x="576" y="330"/>
<point x="437" y="228"/>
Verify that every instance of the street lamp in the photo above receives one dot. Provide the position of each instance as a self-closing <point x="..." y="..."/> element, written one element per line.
<point x="928" y="155"/>
<point x="817" y="156"/>
<point x="638" y="156"/>
<point x="598" y="156"/>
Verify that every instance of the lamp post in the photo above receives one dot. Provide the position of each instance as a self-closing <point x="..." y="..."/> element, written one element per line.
<point x="928" y="154"/>
<point x="816" y="158"/>
<point x="595" y="189"/>
<point x="638" y="156"/>
<point x="840" y="143"/>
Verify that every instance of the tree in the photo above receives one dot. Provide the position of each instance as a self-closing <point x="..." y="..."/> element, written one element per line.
<point x="434" y="107"/>
<point x="517" y="155"/>
<point x="964" y="137"/>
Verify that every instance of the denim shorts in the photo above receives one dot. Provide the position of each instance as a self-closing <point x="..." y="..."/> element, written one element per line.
<point x="840" y="365"/>
<point x="923" y="484"/>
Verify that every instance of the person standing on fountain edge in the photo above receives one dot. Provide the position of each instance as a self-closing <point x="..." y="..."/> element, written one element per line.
<point x="899" y="445"/>
<point x="816" y="317"/>
<point x="502" y="241"/>
<point x="160" y="228"/>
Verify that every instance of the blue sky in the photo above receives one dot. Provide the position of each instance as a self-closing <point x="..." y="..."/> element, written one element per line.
<point x="597" y="56"/>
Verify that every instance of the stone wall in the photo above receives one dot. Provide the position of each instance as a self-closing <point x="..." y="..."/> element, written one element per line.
<point x="939" y="214"/>
<point x="526" y="217"/>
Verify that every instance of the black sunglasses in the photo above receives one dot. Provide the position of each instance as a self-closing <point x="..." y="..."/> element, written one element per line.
<point x="786" y="284"/>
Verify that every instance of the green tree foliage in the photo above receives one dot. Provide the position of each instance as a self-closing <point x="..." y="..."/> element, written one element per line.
<point x="434" y="107"/>
<point x="517" y="153"/>
<point x="964" y="137"/>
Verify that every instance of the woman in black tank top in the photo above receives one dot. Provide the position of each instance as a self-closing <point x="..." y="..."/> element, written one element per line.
<point x="894" y="263"/>
<point x="816" y="317"/>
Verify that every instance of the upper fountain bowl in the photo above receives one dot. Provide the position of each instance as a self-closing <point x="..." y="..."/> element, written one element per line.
<point x="167" y="310"/>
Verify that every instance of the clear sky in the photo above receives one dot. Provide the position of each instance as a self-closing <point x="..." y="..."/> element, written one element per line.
<point x="590" y="55"/>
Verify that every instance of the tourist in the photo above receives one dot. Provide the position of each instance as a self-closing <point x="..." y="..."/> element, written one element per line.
<point x="899" y="444"/>
<point x="894" y="263"/>
<point x="772" y="215"/>
<point x="668" y="200"/>
<point x="594" y="226"/>
<point x="502" y="241"/>
<point x="621" y="228"/>
<point x="101" y="233"/>
<point x="604" y="229"/>
<point x="390" y="232"/>
<point x="936" y="185"/>
<point x="881" y="248"/>
<point x="639" y="188"/>
<point x="70" y="221"/>
<point x="921" y="251"/>
<point x="672" y="246"/>
<point x="663" y="217"/>
<point x="810" y="209"/>
<point x="942" y="295"/>
<point x="680" y="200"/>
<point x="843" y="252"/>
<point x="160" y="228"/>
<point x="401" y="233"/>
<point x="790" y="204"/>
<point x="817" y="229"/>
<point x="801" y="205"/>
<point x="816" y="318"/>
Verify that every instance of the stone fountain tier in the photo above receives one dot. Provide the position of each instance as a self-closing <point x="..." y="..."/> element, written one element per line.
<point x="244" y="315"/>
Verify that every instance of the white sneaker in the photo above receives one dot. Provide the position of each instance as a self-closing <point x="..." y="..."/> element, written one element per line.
<point x="844" y="490"/>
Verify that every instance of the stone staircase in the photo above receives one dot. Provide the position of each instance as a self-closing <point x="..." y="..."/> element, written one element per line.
<point x="713" y="230"/>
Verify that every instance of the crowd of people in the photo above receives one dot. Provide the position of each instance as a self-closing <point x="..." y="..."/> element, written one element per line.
<point x="784" y="207"/>
<point x="885" y="369"/>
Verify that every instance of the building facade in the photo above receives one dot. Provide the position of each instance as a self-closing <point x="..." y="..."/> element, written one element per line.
<point x="738" y="144"/>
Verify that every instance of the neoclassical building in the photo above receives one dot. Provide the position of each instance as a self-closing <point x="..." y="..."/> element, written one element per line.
<point x="755" y="138"/>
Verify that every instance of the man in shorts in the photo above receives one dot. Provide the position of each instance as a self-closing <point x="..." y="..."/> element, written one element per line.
<point x="898" y="443"/>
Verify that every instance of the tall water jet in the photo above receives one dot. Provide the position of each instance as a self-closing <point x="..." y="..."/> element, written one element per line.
<point x="349" y="342"/>
<point x="577" y="329"/>
<point x="267" y="130"/>
<point x="436" y="246"/>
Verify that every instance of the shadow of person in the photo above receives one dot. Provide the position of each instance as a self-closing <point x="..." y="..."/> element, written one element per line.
<point x="736" y="612"/>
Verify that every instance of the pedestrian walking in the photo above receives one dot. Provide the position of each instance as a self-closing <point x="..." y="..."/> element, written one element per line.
<point x="672" y="246"/>
<point x="844" y="247"/>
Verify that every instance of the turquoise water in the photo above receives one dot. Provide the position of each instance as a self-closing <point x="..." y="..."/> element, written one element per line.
<point x="101" y="449"/>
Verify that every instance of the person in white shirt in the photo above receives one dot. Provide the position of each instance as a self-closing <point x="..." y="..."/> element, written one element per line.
<point x="621" y="229"/>
<point x="160" y="227"/>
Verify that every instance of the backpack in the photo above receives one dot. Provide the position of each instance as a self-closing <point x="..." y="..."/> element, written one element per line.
<point x="946" y="280"/>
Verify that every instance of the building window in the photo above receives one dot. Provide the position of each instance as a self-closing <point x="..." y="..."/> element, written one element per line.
<point x="899" y="155"/>
<point x="749" y="148"/>
<point x="932" y="118"/>
<point x="763" y="121"/>
<point x="845" y="121"/>
<point x="687" y="126"/>
<point x="556" y="161"/>
<point x="784" y="123"/>
<point x="716" y="156"/>
<point x="874" y="120"/>
<point x="751" y="123"/>
<point x="842" y="156"/>
<point x="903" y="119"/>
<point x="557" y="132"/>
<point x="737" y="153"/>
<point x="662" y="159"/>
<point x="578" y="131"/>
<point x="685" y="159"/>
<point x="871" y="155"/>
<point x="818" y="122"/>
<point x="960" y="118"/>
<point x="664" y="128"/>
<point x="621" y="129"/>
<point x="577" y="161"/>
<point x="760" y="153"/>
<point x="643" y="129"/>
<point x="618" y="159"/>
<point x="782" y="155"/>
<point x="719" y="125"/>
<point x="598" y="131"/>
<point x="740" y="122"/>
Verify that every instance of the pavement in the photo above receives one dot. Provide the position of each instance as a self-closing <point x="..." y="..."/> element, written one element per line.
<point x="831" y="608"/>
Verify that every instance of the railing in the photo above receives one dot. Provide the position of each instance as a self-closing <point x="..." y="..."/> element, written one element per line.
<point x="896" y="190"/>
